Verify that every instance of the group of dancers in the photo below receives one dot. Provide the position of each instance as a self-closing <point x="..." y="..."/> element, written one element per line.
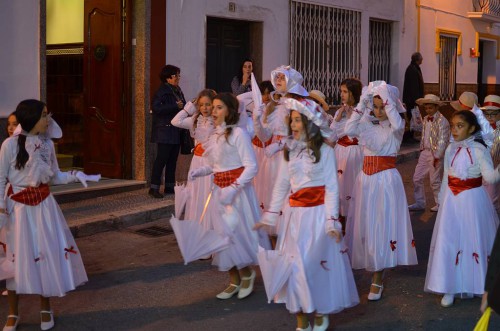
<point x="329" y="189"/>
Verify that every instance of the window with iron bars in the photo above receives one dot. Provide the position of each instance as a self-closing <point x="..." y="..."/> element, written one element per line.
<point x="325" y="45"/>
<point x="379" y="58"/>
<point x="447" y="67"/>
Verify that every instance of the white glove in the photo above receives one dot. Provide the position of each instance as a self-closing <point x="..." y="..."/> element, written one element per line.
<point x="227" y="194"/>
<point x="190" y="108"/>
<point x="84" y="178"/>
<point x="333" y="227"/>
<point x="199" y="172"/>
<point x="273" y="149"/>
<point x="257" y="112"/>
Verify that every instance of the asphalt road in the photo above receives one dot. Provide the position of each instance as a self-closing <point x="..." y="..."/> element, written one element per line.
<point x="140" y="283"/>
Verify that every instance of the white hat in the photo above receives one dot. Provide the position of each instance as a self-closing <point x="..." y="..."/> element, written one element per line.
<point x="293" y="80"/>
<point x="319" y="97"/>
<point x="429" y="98"/>
<point x="313" y="112"/>
<point x="467" y="101"/>
<point x="491" y="102"/>
<point x="393" y="91"/>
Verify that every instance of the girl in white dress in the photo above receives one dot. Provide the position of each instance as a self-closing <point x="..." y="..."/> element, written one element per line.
<point x="232" y="208"/>
<point x="41" y="257"/>
<point x="348" y="152"/>
<point x="197" y="118"/>
<point x="467" y="221"/>
<point x="379" y="233"/>
<point x="321" y="281"/>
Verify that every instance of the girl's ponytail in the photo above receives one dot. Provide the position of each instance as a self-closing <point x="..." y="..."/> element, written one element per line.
<point x="22" y="155"/>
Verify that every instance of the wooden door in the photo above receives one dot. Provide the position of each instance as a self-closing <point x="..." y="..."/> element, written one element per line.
<point x="228" y="44"/>
<point x="105" y="74"/>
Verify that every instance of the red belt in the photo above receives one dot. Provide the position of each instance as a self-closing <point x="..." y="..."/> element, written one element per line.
<point x="256" y="141"/>
<point x="308" y="197"/>
<point x="198" y="150"/>
<point x="226" y="178"/>
<point x="374" y="164"/>
<point x="30" y="196"/>
<point x="458" y="185"/>
<point x="346" y="141"/>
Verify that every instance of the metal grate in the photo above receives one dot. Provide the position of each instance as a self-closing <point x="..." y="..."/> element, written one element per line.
<point x="380" y="50"/>
<point x="325" y="46"/>
<point x="447" y="67"/>
<point x="154" y="231"/>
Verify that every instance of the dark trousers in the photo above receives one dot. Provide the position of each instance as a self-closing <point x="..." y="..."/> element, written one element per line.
<point x="166" y="157"/>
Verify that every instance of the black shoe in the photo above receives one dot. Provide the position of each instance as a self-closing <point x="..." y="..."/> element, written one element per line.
<point x="168" y="190"/>
<point x="155" y="193"/>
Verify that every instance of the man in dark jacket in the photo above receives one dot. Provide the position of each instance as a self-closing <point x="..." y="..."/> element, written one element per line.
<point x="413" y="88"/>
<point x="167" y="102"/>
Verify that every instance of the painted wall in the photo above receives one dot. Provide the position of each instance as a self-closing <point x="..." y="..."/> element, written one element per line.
<point x="64" y="21"/>
<point x="186" y="33"/>
<point x="452" y="15"/>
<point x="19" y="57"/>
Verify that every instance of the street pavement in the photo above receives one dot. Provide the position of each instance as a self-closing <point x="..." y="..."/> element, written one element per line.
<point x="138" y="282"/>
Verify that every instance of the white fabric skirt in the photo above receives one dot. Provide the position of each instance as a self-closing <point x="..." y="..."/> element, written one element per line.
<point x="349" y="165"/>
<point x="321" y="278"/>
<point x="462" y="240"/>
<point x="42" y="256"/>
<point x="199" y="189"/>
<point x="244" y="213"/>
<point x="379" y="233"/>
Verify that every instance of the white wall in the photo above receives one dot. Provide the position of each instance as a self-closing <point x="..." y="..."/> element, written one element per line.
<point x="19" y="57"/>
<point x="186" y="34"/>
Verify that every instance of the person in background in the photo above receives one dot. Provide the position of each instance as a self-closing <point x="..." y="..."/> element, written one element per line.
<point x="167" y="102"/>
<point x="435" y="138"/>
<point x="491" y="110"/>
<point x="413" y="89"/>
<point x="241" y="83"/>
<point x="320" y="98"/>
<point x="493" y="273"/>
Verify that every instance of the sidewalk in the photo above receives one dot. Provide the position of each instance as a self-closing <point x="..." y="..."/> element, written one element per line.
<point x="91" y="213"/>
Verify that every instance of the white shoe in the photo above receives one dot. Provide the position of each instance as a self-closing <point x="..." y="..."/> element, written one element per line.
<point x="435" y="208"/>
<point x="376" y="296"/>
<point x="47" y="325"/>
<point x="415" y="207"/>
<point x="12" y="327"/>
<point x="447" y="300"/>
<point x="226" y="295"/>
<point x="306" y="329"/>
<point x="324" y="324"/>
<point x="245" y="291"/>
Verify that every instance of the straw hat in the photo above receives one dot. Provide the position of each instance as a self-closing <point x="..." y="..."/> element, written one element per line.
<point x="429" y="98"/>
<point x="466" y="101"/>
<point x="313" y="112"/>
<point x="293" y="80"/>
<point x="319" y="97"/>
<point x="491" y="102"/>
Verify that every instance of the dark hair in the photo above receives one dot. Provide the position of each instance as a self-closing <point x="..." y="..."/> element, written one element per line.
<point x="416" y="57"/>
<point x="266" y="85"/>
<point x="233" y="115"/>
<point x="168" y="71"/>
<point x="240" y="72"/>
<point x="354" y="86"/>
<point x="471" y="119"/>
<point x="28" y="113"/>
<point x="204" y="93"/>
<point x="314" y="139"/>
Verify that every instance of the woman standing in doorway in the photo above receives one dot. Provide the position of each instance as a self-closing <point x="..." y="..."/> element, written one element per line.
<point x="241" y="83"/>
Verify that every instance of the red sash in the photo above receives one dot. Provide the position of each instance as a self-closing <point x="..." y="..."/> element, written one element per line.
<point x="198" y="150"/>
<point x="458" y="185"/>
<point x="374" y="164"/>
<point x="30" y="196"/>
<point x="308" y="197"/>
<point x="346" y="141"/>
<point x="226" y="178"/>
<point x="256" y="141"/>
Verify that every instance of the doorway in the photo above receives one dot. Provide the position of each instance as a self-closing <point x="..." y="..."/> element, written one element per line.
<point x="229" y="42"/>
<point x="486" y="68"/>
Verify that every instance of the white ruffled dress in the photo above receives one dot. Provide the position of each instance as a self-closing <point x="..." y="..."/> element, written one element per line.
<point x="321" y="279"/>
<point x="198" y="188"/>
<point x="238" y="219"/>
<point x="379" y="232"/>
<point x="466" y="224"/>
<point x="41" y="255"/>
